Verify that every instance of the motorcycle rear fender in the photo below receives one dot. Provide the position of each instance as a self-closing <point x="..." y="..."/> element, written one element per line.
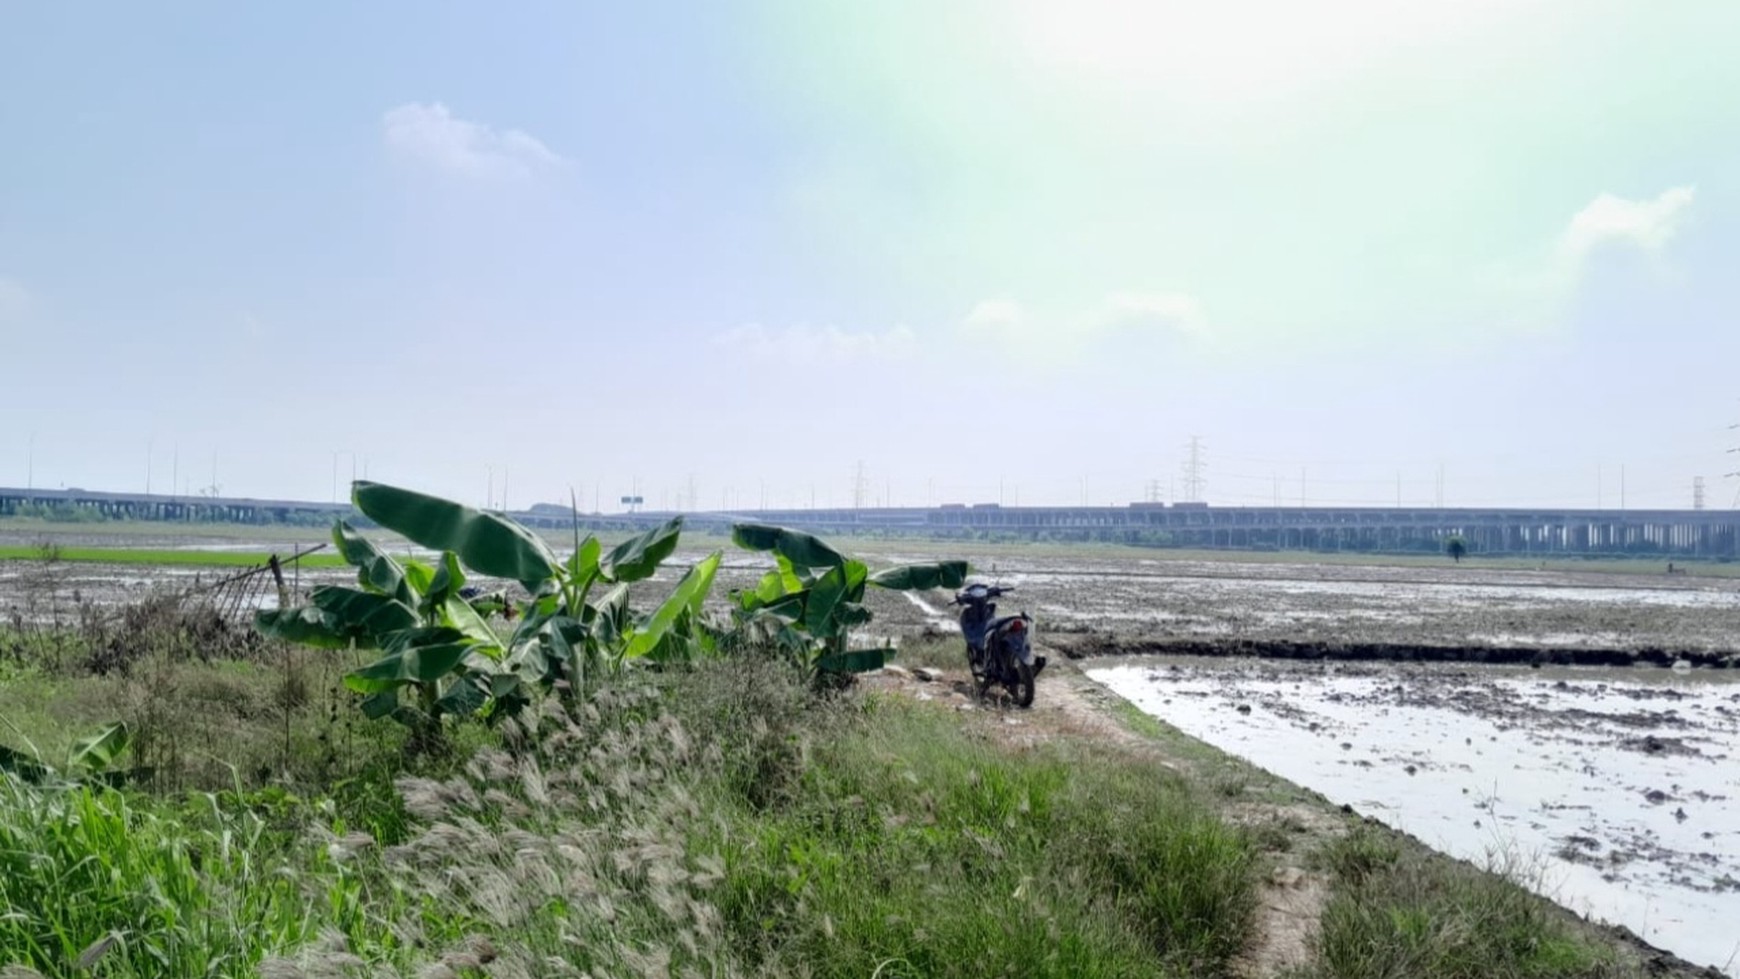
<point x="1018" y="646"/>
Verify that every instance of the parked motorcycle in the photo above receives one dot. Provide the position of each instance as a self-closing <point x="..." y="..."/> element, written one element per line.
<point x="999" y="650"/>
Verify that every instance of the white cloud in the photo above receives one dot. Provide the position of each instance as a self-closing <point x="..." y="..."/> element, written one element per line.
<point x="823" y="345"/>
<point x="995" y="315"/>
<point x="1539" y="291"/>
<point x="433" y="136"/>
<point x="1071" y="332"/>
<point x="1163" y="310"/>
<point x="1646" y="224"/>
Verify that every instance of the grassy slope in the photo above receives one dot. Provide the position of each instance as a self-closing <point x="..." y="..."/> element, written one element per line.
<point x="725" y="820"/>
<point x="1400" y="910"/>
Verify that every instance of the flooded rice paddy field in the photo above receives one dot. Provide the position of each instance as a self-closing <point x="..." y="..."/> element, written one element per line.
<point x="1116" y="598"/>
<point x="1104" y="607"/>
<point x="1615" y="792"/>
<point x="1107" y="604"/>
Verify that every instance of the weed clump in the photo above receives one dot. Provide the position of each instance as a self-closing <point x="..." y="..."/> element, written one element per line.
<point x="1398" y="911"/>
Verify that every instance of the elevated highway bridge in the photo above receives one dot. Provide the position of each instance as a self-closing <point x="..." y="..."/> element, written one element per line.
<point x="1487" y="530"/>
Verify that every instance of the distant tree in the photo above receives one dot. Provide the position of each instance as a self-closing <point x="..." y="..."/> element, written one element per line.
<point x="1456" y="547"/>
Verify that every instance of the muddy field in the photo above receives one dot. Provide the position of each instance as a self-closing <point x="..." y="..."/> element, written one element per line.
<point x="1105" y="607"/>
<point x="1122" y="603"/>
<point x="1613" y="791"/>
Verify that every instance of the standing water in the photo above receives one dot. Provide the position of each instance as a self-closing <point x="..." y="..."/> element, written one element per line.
<point x="1616" y="792"/>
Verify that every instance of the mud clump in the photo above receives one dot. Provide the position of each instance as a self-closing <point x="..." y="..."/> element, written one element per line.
<point x="1651" y="744"/>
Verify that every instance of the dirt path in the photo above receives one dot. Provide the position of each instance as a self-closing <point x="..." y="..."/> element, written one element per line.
<point x="1286" y="824"/>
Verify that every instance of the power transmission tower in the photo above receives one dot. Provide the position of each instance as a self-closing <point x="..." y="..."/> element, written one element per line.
<point x="1697" y="492"/>
<point x="860" y="487"/>
<point x="1195" y="465"/>
<point x="1153" y="491"/>
<point x="1734" y="475"/>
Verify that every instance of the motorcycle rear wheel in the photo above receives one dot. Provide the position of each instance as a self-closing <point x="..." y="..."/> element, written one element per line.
<point x="1022" y="688"/>
<point x="1013" y="676"/>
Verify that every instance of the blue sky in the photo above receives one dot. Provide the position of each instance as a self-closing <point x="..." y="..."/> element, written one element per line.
<point x="1021" y="248"/>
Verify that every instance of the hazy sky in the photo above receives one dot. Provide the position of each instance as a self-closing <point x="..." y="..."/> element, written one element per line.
<point x="1026" y="247"/>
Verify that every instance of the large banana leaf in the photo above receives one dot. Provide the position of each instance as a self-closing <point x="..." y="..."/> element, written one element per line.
<point x="788" y="575"/>
<point x="412" y="663"/>
<point x="921" y="577"/>
<point x="306" y="626"/>
<point x="843" y="583"/>
<point x="464" y="697"/>
<point x="583" y="563"/>
<point x="419" y="576"/>
<point x="769" y="588"/>
<point x="485" y="542"/>
<point x="381" y="704"/>
<point x="447" y="582"/>
<point x="801" y="549"/>
<point x="375" y="569"/>
<point x="638" y="557"/>
<point x="561" y="656"/>
<point x="363" y="614"/>
<point x="850" y="615"/>
<point x="98" y="752"/>
<point x="610" y="619"/>
<point x="457" y="613"/>
<point x="687" y="597"/>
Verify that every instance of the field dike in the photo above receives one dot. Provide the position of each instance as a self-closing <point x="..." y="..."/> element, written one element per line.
<point x="1339" y="894"/>
<point x="1088" y="645"/>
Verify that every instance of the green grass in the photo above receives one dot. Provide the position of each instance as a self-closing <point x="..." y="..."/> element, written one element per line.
<point x="946" y="653"/>
<point x="38" y="527"/>
<point x="726" y="821"/>
<point x="159" y="557"/>
<point x="909" y="849"/>
<point x="720" y="821"/>
<point x="1399" y="910"/>
<point x="89" y="876"/>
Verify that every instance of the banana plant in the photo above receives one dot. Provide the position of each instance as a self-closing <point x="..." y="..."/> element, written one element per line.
<point x="91" y="760"/>
<point x="441" y="657"/>
<point x="813" y="599"/>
